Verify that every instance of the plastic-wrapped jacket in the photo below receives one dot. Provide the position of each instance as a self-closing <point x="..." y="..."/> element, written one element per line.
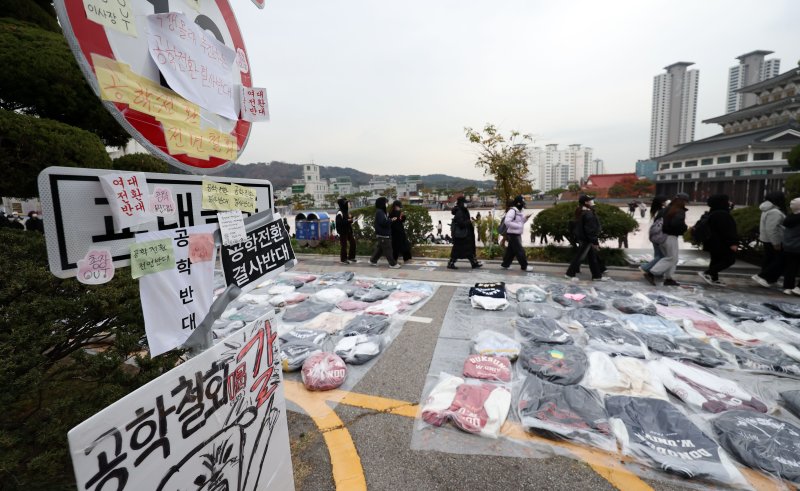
<point x="542" y="330"/>
<point x="562" y="364"/>
<point x="323" y="371"/>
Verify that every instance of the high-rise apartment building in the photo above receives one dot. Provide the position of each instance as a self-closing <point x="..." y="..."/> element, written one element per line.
<point x="674" y="108"/>
<point x="552" y="167"/>
<point x="752" y="68"/>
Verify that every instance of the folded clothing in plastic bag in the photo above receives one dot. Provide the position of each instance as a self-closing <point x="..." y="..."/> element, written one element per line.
<point x="531" y="294"/>
<point x="762" y="357"/>
<point x="704" y="324"/>
<point x="613" y="292"/>
<point x="579" y="300"/>
<point x="651" y="324"/>
<point x="386" y="285"/>
<point x="791" y="399"/>
<point x="305" y="335"/>
<point x="335" y="278"/>
<point x="702" y="389"/>
<point x="305" y="278"/>
<point x="366" y="324"/>
<point x="371" y="295"/>
<point x="591" y="318"/>
<point x="660" y="435"/>
<point x="564" y="364"/>
<point x="386" y="308"/>
<point x="408" y="298"/>
<point x="478" y="408"/>
<point x="323" y="371"/>
<point x="330" y="295"/>
<point x="423" y="289"/>
<point x="615" y="340"/>
<point x="689" y="349"/>
<point x="295" y="353"/>
<point x="785" y="308"/>
<point x="528" y="309"/>
<point x="492" y="290"/>
<point x="666" y="300"/>
<point x="287" y="299"/>
<point x="358" y="349"/>
<point x="305" y="311"/>
<point x="352" y="305"/>
<point x="488" y="368"/>
<point x="488" y="303"/>
<point x="743" y="311"/>
<point x="762" y="442"/>
<point x="542" y="330"/>
<point x="572" y="412"/>
<point x="635" y="305"/>
<point x="254" y="299"/>
<point x="493" y="343"/>
<point x="330" y="322"/>
<point x="622" y="375"/>
<point x="280" y="289"/>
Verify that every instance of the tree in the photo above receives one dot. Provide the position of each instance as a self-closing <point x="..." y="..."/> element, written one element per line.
<point x="140" y="162"/>
<point x="470" y="191"/>
<point x="793" y="187"/>
<point x="504" y="158"/>
<point x="555" y="192"/>
<point x="618" y="191"/>
<point x="574" y="188"/>
<point x="794" y="158"/>
<point x="555" y="222"/>
<point x="302" y="201"/>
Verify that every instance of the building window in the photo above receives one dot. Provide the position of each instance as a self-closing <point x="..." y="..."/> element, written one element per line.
<point x="691" y="163"/>
<point x="703" y="174"/>
<point x="664" y="167"/>
<point x="674" y="177"/>
<point x="724" y="160"/>
<point x="763" y="156"/>
<point x="760" y="172"/>
<point x="737" y="172"/>
<point x="720" y="173"/>
<point x="677" y="165"/>
<point x="706" y="161"/>
<point x="687" y="175"/>
<point x="742" y="157"/>
<point x="785" y="155"/>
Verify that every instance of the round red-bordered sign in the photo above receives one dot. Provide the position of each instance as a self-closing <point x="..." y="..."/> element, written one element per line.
<point x="87" y="37"/>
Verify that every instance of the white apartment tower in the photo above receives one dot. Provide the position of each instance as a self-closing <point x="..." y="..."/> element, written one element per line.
<point x="558" y="168"/>
<point x="674" y="108"/>
<point x="752" y="68"/>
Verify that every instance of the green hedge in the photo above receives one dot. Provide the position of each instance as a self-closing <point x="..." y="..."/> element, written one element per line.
<point x="140" y="162"/>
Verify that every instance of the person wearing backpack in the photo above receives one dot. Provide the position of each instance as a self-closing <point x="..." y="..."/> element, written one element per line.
<point x="716" y="230"/>
<point x="658" y="204"/>
<point x="770" y="233"/>
<point x="514" y="221"/>
<point x="673" y="226"/>
<point x="791" y="248"/>
<point x="587" y="233"/>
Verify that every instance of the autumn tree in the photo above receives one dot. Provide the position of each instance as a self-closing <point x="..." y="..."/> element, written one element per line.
<point x="504" y="158"/>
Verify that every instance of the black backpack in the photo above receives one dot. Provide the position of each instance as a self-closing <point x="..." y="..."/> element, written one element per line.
<point x="701" y="232"/>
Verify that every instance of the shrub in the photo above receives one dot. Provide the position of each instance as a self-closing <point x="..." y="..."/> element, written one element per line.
<point x="748" y="220"/>
<point x="793" y="186"/>
<point x="554" y="222"/>
<point x="418" y="223"/>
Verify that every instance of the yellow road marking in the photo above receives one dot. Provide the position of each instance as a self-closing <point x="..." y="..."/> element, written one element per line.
<point x="609" y="466"/>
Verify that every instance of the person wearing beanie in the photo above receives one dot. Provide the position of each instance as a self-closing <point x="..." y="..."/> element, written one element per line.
<point x="515" y="222"/>
<point x="791" y="249"/>
<point x="587" y="232"/>
<point x="344" y="226"/>
<point x="674" y="226"/>
<point x="463" y="236"/>
<point x="770" y="233"/>
<point x="400" y="244"/>
<point x="723" y="241"/>
<point x="383" y="234"/>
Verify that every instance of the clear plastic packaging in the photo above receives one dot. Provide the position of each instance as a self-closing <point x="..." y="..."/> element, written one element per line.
<point x="531" y="293"/>
<point x="537" y="330"/>
<point x="562" y="364"/>
<point x="295" y="353"/>
<point x="359" y="349"/>
<point x="366" y="324"/>
<point x="305" y="311"/>
<point x="330" y="322"/>
<point x="637" y="304"/>
<point x="323" y="371"/>
<point x="371" y="295"/>
<point x="330" y="295"/>
<point x="622" y="375"/>
<point x="483" y="367"/>
<point x="493" y="343"/>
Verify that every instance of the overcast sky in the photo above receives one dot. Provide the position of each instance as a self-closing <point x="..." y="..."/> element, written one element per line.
<point x="387" y="87"/>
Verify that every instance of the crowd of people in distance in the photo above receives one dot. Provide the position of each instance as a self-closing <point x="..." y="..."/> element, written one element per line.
<point x="16" y="221"/>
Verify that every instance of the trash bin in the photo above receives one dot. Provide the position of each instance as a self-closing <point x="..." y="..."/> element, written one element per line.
<point x="301" y="226"/>
<point x="319" y="227"/>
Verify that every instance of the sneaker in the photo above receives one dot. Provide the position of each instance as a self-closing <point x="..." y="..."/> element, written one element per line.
<point x="394" y="266"/>
<point x="571" y="278"/>
<point x="706" y="277"/>
<point x="787" y="292"/>
<point x="650" y="278"/>
<point x="761" y="281"/>
<point x="373" y="264"/>
<point x="504" y="267"/>
<point x="451" y="266"/>
<point x="796" y="291"/>
<point x="671" y="282"/>
<point x="529" y="269"/>
<point x="602" y="278"/>
<point x="477" y="265"/>
<point x="352" y="261"/>
<point x="344" y="262"/>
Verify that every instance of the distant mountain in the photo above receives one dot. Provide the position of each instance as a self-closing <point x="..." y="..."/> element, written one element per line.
<point x="283" y="174"/>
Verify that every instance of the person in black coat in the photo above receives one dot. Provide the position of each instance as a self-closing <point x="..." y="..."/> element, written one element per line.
<point x="724" y="241"/>
<point x="400" y="244"/>
<point x="587" y="232"/>
<point x="15" y="222"/>
<point x="463" y="236"/>
<point x="791" y="248"/>
<point x="344" y="224"/>
<point x="383" y="234"/>
<point x="34" y="223"/>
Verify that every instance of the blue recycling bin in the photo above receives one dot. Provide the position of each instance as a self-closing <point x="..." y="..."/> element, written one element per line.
<point x="301" y="229"/>
<point x="319" y="227"/>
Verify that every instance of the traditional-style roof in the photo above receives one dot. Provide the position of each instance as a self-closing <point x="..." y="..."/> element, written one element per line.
<point x="756" y="110"/>
<point x="772" y="82"/>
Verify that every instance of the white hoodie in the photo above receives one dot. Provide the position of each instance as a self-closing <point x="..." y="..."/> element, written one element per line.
<point x="771" y="226"/>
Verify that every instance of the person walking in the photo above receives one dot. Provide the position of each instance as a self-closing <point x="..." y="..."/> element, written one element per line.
<point x="15" y="222"/>
<point x="439" y="229"/>
<point x="347" y="240"/>
<point x="463" y="236"/>
<point x="723" y="240"/>
<point x="383" y="234"/>
<point x="642" y="209"/>
<point x="655" y="207"/>
<point x="515" y="222"/>
<point x="770" y="233"/>
<point x="400" y="244"/>
<point x="632" y="207"/>
<point x="674" y="217"/>
<point x="587" y="232"/>
<point x="34" y="223"/>
<point x="791" y="249"/>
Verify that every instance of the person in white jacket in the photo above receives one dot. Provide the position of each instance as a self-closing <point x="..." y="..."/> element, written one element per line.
<point x="515" y="221"/>
<point x="770" y="233"/>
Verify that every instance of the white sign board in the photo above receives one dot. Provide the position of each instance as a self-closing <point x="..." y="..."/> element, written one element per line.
<point x="175" y="301"/>
<point x="77" y="217"/>
<point x="218" y="421"/>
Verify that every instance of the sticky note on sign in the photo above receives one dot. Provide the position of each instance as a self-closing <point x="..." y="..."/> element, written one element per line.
<point x="217" y="196"/>
<point x="152" y="257"/>
<point x="116" y="14"/>
<point x="244" y="198"/>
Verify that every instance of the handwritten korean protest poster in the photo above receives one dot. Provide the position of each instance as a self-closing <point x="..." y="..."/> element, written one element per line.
<point x="116" y="14"/>
<point x="193" y="62"/>
<point x="96" y="268"/>
<point x="128" y="197"/>
<point x="231" y="227"/>
<point x="151" y="256"/>
<point x="176" y="301"/>
<point x="215" y="422"/>
<point x="253" y="104"/>
<point x="266" y="252"/>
